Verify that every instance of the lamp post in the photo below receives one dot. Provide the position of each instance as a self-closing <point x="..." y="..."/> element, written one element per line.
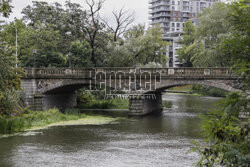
<point x="16" y="42"/>
<point x="16" y="47"/>
<point x="156" y="55"/>
<point x="69" y="56"/>
<point x="134" y="51"/>
<point x="34" y="57"/>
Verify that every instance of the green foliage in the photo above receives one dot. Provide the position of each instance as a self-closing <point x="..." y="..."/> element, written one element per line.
<point x="167" y="104"/>
<point x="10" y="80"/>
<point x="5" y="7"/>
<point x="208" y="91"/>
<point x="88" y="100"/>
<point x="186" y="52"/>
<point x="68" y="21"/>
<point x="201" y="44"/>
<point x="81" y="53"/>
<point x="34" y="119"/>
<point x="45" y="40"/>
<point x="238" y="42"/>
<point x="140" y="47"/>
<point x="226" y="137"/>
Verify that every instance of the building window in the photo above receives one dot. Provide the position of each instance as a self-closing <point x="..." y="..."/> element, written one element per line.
<point x="178" y="2"/>
<point x="178" y="24"/>
<point x="179" y="19"/>
<point x="172" y="2"/>
<point x="191" y="9"/>
<point x="172" y="7"/>
<point x="174" y="19"/>
<point x="186" y="8"/>
<point x="172" y="29"/>
<point x="174" y="14"/>
<point x="172" y="24"/>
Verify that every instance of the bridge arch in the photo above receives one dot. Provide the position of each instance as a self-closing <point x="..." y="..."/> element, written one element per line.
<point x="70" y="85"/>
<point x="221" y="84"/>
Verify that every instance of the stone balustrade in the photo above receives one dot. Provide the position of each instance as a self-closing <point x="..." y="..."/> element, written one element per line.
<point x="163" y="72"/>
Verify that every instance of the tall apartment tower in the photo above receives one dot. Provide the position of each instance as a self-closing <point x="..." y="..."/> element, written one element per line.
<point x="171" y="15"/>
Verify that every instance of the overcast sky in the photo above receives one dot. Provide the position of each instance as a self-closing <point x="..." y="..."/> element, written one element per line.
<point x="140" y="7"/>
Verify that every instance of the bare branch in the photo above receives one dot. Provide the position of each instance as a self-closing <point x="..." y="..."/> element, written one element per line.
<point x="123" y="19"/>
<point x="92" y="27"/>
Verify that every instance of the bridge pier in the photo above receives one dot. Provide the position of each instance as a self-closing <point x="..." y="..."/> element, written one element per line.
<point x="31" y="98"/>
<point x="143" y="106"/>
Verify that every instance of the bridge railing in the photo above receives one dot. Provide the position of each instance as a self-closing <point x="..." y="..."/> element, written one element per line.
<point x="164" y="72"/>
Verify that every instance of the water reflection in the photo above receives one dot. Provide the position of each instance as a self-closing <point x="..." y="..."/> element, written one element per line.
<point x="157" y="140"/>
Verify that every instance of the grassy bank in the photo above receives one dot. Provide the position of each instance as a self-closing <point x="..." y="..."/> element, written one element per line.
<point x="105" y="104"/>
<point x="89" y="100"/>
<point x="185" y="88"/>
<point x="34" y="120"/>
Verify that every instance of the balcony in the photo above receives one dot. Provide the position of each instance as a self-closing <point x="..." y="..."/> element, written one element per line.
<point x="162" y="3"/>
<point x="160" y="21"/>
<point x="158" y="1"/>
<point x="160" y="9"/>
<point x="203" y="5"/>
<point x="185" y="15"/>
<point x="160" y="15"/>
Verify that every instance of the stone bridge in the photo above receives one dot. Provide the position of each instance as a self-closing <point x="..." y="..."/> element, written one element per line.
<point x="46" y="88"/>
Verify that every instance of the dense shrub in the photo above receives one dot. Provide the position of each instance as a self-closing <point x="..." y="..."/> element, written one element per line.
<point x="208" y="91"/>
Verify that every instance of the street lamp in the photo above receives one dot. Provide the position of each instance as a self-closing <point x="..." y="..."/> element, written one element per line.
<point x="156" y="54"/>
<point x="16" y="43"/>
<point x="34" y="57"/>
<point x="134" y="51"/>
<point x="69" y="56"/>
<point x="16" y="47"/>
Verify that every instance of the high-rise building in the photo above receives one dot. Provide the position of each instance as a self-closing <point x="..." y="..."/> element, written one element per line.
<point x="171" y="15"/>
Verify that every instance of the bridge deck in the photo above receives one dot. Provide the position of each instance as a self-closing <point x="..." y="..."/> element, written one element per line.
<point x="85" y="73"/>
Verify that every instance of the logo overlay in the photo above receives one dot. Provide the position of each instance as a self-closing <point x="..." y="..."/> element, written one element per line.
<point x="126" y="84"/>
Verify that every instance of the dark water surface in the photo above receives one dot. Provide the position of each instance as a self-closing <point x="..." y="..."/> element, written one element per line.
<point x="161" y="140"/>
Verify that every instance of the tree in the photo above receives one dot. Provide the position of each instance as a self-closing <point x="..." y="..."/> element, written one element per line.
<point x="45" y="40"/>
<point x="227" y="136"/>
<point x="10" y="78"/>
<point x="123" y="19"/>
<point x="10" y="81"/>
<point x="80" y="54"/>
<point x="212" y="29"/>
<point x="140" y="48"/>
<point x="186" y="52"/>
<point x="201" y="44"/>
<point x="67" y="21"/>
<point x="93" y="25"/>
<point x="238" y="42"/>
<point x="5" y="7"/>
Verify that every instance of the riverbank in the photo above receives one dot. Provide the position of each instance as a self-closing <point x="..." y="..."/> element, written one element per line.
<point x="40" y="120"/>
<point x="198" y="90"/>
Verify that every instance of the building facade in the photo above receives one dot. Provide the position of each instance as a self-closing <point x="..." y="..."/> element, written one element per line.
<point x="171" y="15"/>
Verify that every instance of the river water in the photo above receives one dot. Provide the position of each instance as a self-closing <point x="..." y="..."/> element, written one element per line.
<point x="157" y="140"/>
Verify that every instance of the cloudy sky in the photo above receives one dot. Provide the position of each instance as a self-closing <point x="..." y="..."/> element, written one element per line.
<point x="140" y="7"/>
